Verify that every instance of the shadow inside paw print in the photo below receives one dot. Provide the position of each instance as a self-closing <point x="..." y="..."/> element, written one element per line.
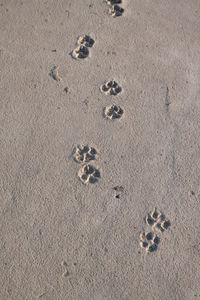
<point x="80" y="52"/>
<point x="157" y="220"/>
<point x="84" y="154"/>
<point x="89" y="174"/>
<point x="113" y="112"/>
<point x="149" y="241"/>
<point x="116" y="10"/>
<point x="111" y="88"/>
<point x="112" y="2"/>
<point x="86" y="41"/>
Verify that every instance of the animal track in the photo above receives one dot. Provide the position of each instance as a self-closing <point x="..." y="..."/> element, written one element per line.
<point x="116" y="10"/>
<point x="89" y="174"/>
<point x="113" y="112"/>
<point x="54" y="74"/>
<point x="82" y="51"/>
<point x="149" y="241"/>
<point x="86" y="41"/>
<point x="157" y="220"/>
<point x="84" y="154"/>
<point x="111" y="88"/>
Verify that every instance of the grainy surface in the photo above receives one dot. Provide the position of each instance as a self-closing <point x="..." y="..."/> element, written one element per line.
<point x="61" y="238"/>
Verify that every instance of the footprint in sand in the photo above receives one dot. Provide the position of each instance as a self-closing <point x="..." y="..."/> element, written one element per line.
<point x="111" y="88"/>
<point x="83" y="154"/>
<point x="157" y="220"/>
<point x="113" y="112"/>
<point x="89" y="174"/>
<point x="115" y="10"/>
<point x="80" y="52"/>
<point x="86" y="41"/>
<point x="149" y="241"/>
<point x="83" y="43"/>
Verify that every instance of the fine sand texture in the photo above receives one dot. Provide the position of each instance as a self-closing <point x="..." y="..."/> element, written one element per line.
<point x="100" y="150"/>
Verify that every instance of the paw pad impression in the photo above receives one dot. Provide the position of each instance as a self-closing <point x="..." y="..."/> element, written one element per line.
<point x="116" y="10"/>
<point x="86" y="41"/>
<point x="84" y="154"/>
<point x="157" y="220"/>
<point x="82" y="51"/>
<point x="111" y="88"/>
<point x="113" y="112"/>
<point x="89" y="174"/>
<point x="149" y="241"/>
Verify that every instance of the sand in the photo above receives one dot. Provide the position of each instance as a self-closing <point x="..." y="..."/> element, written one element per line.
<point x="72" y="231"/>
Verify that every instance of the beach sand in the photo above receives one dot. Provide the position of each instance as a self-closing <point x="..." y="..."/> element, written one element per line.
<point x="72" y="231"/>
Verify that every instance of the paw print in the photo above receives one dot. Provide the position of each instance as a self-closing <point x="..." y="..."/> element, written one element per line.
<point x="149" y="241"/>
<point x="113" y="112"/>
<point x="157" y="220"/>
<point x="84" y="154"/>
<point x="111" y="88"/>
<point x="81" y="52"/>
<point x="89" y="174"/>
<point x="116" y="10"/>
<point x="86" y="41"/>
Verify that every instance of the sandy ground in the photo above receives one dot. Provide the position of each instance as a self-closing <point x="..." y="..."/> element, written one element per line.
<point x="61" y="238"/>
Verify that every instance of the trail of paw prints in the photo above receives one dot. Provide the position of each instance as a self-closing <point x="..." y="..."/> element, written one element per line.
<point x="84" y="154"/>
<point x="115" y="10"/>
<point x="157" y="220"/>
<point x="149" y="241"/>
<point x="113" y="112"/>
<point x="111" y="88"/>
<point x="89" y="174"/>
<point x="83" y="43"/>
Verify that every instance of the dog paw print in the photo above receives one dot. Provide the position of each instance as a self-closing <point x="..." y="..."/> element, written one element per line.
<point x="113" y="112"/>
<point x="157" y="220"/>
<point x="89" y="174"/>
<point x="116" y="11"/>
<point x="86" y="41"/>
<point x="149" y="241"/>
<point x="111" y="88"/>
<point x="84" y="154"/>
<point x="81" y="52"/>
